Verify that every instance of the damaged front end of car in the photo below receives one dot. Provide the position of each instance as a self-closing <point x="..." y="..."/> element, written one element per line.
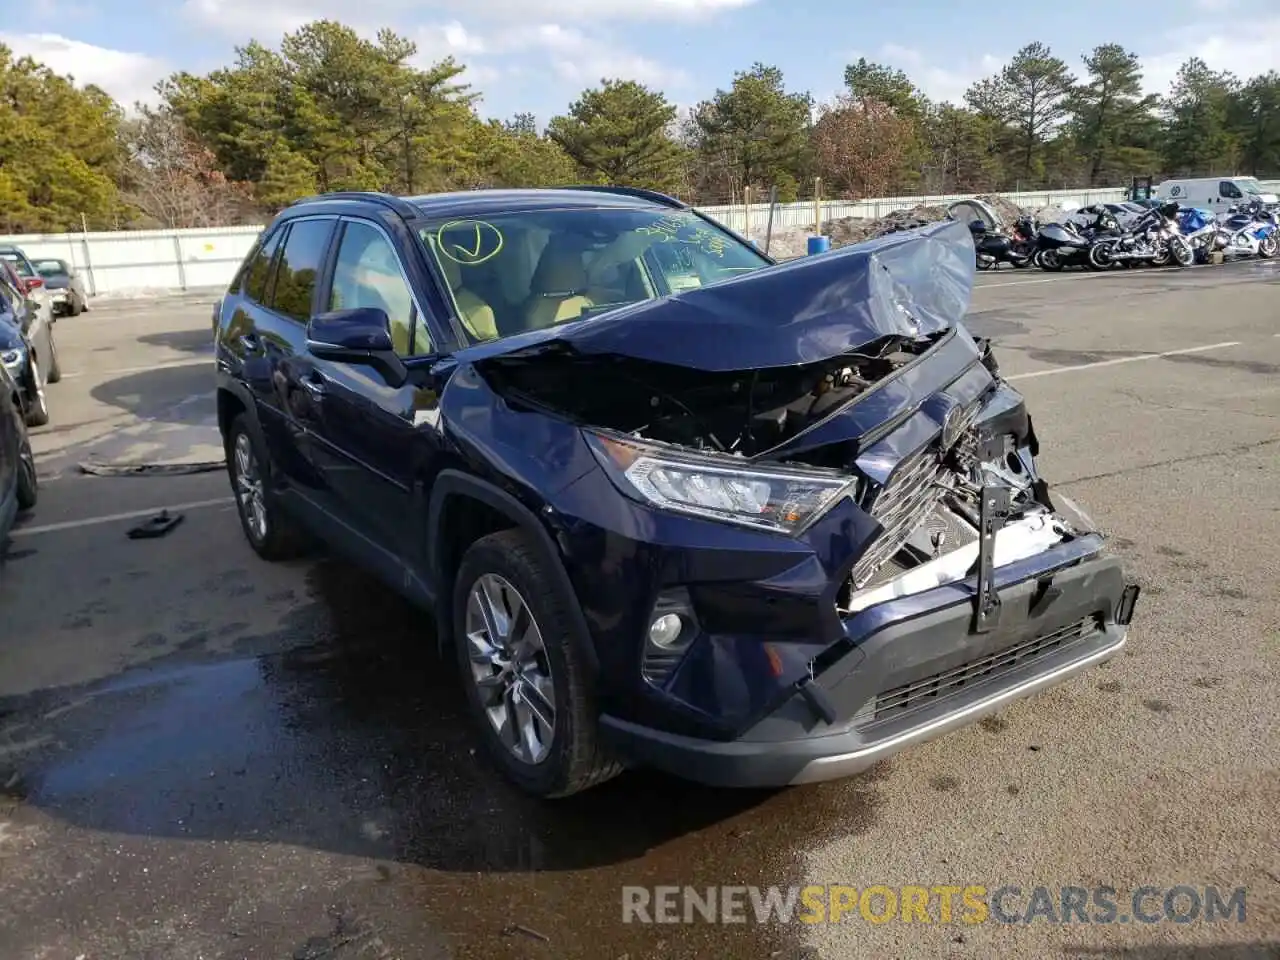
<point x="902" y="568"/>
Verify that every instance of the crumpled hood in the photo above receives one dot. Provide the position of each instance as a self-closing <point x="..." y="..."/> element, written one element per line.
<point x="912" y="283"/>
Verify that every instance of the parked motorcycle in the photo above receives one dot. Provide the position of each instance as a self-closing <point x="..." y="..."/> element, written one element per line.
<point x="1060" y="245"/>
<point x="1247" y="231"/>
<point x="1152" y="238"/>
<point x="992" y="248"/>
<point x="1199" y="228"/>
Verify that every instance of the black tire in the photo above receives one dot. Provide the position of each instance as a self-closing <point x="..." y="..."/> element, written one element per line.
<point x="37" y="411"/>
<point x="28" y="484"/>
<point x="77" y="306"/>
<point x="277" y="537"/>
<point x="55" y="368"/>
<point x="1181" y="253"/>
<point x="1100" y="257"/>
<point x="576" y="758"/>
<point x="1049" y="260"/>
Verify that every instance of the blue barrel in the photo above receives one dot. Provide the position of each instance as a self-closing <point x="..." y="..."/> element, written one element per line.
<point x="819" y="245"/>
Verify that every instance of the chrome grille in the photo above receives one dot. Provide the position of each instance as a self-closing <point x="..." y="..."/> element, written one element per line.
<point x="914" y="490"/>
<point x="922" y="692"/>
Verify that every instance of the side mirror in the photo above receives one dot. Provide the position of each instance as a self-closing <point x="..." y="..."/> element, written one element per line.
<point x="358" y="336"/>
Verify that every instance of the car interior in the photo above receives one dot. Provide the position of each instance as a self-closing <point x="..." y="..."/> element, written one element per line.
<point x="538" y="274"/>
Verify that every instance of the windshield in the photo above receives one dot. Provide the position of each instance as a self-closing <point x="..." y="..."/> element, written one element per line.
<point x="516" y="272"/>
<point x="1250" y="185"/>
<point x="51" y="268"/>
<point x="19" y="263"/>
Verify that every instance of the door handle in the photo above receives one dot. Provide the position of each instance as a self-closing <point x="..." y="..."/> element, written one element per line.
<point x="313" y="383"/>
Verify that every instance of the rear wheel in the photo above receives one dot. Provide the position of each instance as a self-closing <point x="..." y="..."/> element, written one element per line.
<point x="271" y="533"/>
<point x="55" y="368"/>
<point x="1267" y="247"/>
<point x="28" y="485"/>
<point x="1101" y="256"/>
<point x="520" y="654"/>
<point x="1049" y="260"/>
<point x="1181" y="252"/>
<point x="37" y="412"/>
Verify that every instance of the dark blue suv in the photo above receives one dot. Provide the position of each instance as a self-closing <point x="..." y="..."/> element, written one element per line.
<point x="671" y="503"/>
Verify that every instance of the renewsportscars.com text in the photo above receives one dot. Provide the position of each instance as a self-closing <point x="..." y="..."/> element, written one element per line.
<point x="945" y="904"/>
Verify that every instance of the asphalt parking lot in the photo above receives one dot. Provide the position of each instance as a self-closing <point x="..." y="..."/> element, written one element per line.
<point x="206" y="756"/>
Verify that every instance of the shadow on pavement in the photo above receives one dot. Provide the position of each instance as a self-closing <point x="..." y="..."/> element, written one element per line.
<point x="199" y="341"/>
<point x="344" y="731"/>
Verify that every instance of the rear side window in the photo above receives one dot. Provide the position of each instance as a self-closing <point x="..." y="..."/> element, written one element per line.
<point x="259" y="269"/>
<point x="299" y="268"/>
<point x="19" y="263"/>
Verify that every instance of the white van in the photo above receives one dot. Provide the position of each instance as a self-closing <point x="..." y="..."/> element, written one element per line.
<point x="1214" y="193"/>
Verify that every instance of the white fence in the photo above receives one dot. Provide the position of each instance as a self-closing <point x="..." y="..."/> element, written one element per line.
<point x="134" y="261"/>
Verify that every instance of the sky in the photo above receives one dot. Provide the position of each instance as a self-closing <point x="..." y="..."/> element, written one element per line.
<point x="538" y="55"/>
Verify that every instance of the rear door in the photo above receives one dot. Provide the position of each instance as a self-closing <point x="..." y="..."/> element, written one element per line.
<point x="270" y="329"/>
<point x="375" y="439"/>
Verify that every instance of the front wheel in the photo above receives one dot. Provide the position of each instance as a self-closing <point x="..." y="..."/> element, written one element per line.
<point x="1181" y="252"/>
<point x="520" y="654"/>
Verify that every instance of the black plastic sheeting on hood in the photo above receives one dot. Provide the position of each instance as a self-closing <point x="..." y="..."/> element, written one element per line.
<point x="911" y="284"/>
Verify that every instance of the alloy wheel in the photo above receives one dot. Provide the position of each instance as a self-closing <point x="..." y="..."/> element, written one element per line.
<point x="510" y="668"/>
<point x="249" y="492"/>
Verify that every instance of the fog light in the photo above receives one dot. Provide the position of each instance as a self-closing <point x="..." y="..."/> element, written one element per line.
<point x="665" y="631"/>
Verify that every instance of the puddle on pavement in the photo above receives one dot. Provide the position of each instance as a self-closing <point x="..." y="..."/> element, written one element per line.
<point x="355" y="741"/>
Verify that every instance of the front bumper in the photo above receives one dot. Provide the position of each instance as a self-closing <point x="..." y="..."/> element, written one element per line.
<point x="914" y="669"/>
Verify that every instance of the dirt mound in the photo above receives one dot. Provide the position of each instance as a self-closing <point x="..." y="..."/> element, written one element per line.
<point x="1005" y="209"/>
<point x="847" y="230"/>
<point x="843" y="231"/>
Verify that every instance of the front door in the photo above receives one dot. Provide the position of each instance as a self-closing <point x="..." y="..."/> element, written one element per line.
<point x="375" y="440"/>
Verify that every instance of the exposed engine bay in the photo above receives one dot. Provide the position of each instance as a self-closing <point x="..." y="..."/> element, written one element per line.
<point x="738" y="412"/>
<point x="931" y="506"/>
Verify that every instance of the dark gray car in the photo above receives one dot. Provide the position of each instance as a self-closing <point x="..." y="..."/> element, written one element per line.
<point x="27" y="348"/>
<point x="66" y="287"/>
<point x="18" y="485"/>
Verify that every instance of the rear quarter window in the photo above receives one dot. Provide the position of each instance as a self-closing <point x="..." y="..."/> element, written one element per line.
<point x="257" y="268"/>
<point x="299" y="268"/>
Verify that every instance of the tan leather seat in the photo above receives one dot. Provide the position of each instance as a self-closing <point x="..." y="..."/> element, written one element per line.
<point x="476" y="315"/>
<point x="558" y="288"/>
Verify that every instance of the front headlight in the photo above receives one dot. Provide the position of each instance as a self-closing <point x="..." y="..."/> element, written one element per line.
<point x="13" y="359"/>
<point x="782" y="499"/>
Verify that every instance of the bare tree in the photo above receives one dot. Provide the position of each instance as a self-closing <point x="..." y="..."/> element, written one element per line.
<point x="174" y="180"/>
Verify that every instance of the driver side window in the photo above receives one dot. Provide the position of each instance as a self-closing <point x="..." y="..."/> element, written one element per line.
<point x="366" y="273"/>
<point x="1229" y="190"/>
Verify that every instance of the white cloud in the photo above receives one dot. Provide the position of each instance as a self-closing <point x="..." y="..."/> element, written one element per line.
<point x="128" y="77"/>
<point x="944" y="84"/>
<point x="1245" y="52"/>
<point x="587" y="60"/>
<point x="267" y="19"/>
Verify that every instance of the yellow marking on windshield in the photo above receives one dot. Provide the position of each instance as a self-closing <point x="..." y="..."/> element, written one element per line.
<point x="469" y="248"/>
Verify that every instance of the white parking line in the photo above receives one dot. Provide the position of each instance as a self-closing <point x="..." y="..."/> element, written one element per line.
<point x="114" y="517"/>
<point x="1112" y="363"/>
<point x="1015" y="283"/>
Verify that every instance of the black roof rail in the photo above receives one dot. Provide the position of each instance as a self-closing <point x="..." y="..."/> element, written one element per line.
<point x="639" y="192"/>
<point x="397" y="204"/>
